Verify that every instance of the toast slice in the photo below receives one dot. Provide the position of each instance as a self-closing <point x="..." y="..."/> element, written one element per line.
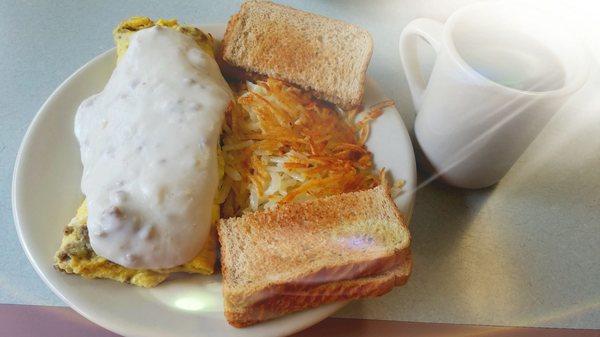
<point x="304" y="246"/>
<point x="324" y="56"/>
<point x="294" y="299"/>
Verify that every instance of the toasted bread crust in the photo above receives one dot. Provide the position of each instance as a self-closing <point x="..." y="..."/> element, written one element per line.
<point x="285" y="44"/>
<point x="250" y="298"/>
<point x="294" y="298"/>
<point x="312" y="217"/>
<point x="328" y="274"/>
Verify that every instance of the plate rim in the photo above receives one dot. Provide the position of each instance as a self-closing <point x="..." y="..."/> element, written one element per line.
<point x="25" y="146"/>
<point x="15" y="196"/>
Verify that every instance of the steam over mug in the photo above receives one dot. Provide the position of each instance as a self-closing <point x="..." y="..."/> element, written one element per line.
<point x="501" y="72"/>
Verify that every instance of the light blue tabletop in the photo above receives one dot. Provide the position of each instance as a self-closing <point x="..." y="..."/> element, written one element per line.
<point x="526" y="252"/>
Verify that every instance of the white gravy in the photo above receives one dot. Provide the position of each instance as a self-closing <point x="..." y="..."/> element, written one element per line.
<point x="148" y="145"/>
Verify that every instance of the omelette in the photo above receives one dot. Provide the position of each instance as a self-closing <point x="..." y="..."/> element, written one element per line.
<point x="76" y="256"/>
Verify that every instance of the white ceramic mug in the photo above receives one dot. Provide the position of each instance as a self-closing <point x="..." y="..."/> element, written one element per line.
<point x="501" y="72"/>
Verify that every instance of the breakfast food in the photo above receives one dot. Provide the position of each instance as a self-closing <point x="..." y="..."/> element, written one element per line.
<point x="169" y="148"/>
<point x="281" y="146"/>
<point x="76" y="254"/>
<point x="335" y="245"/>
<point x="149" y="150"/>
<point x="326" y="228"/>
<point x="325" y="56"/>
<point x="297" y="297"/>
<point x="123" y="32"/>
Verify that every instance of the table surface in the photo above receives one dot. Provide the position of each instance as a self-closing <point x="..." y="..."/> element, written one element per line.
<point x="523" y="253"/>
<point x="26" y="320"/>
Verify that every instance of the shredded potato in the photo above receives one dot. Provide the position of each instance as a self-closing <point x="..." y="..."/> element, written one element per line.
<point x="279" y="145"/>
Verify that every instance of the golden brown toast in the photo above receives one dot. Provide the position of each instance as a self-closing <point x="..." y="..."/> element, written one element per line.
<point x="301" y="298"/>
<point x="291" y="258"/>
<point x="324" y="56"/>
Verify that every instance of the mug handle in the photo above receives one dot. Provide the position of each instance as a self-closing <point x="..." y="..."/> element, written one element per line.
<point x="429" y="30"/>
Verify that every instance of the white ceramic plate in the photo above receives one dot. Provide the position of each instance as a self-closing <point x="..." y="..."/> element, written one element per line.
<point x="46" y="194"/>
